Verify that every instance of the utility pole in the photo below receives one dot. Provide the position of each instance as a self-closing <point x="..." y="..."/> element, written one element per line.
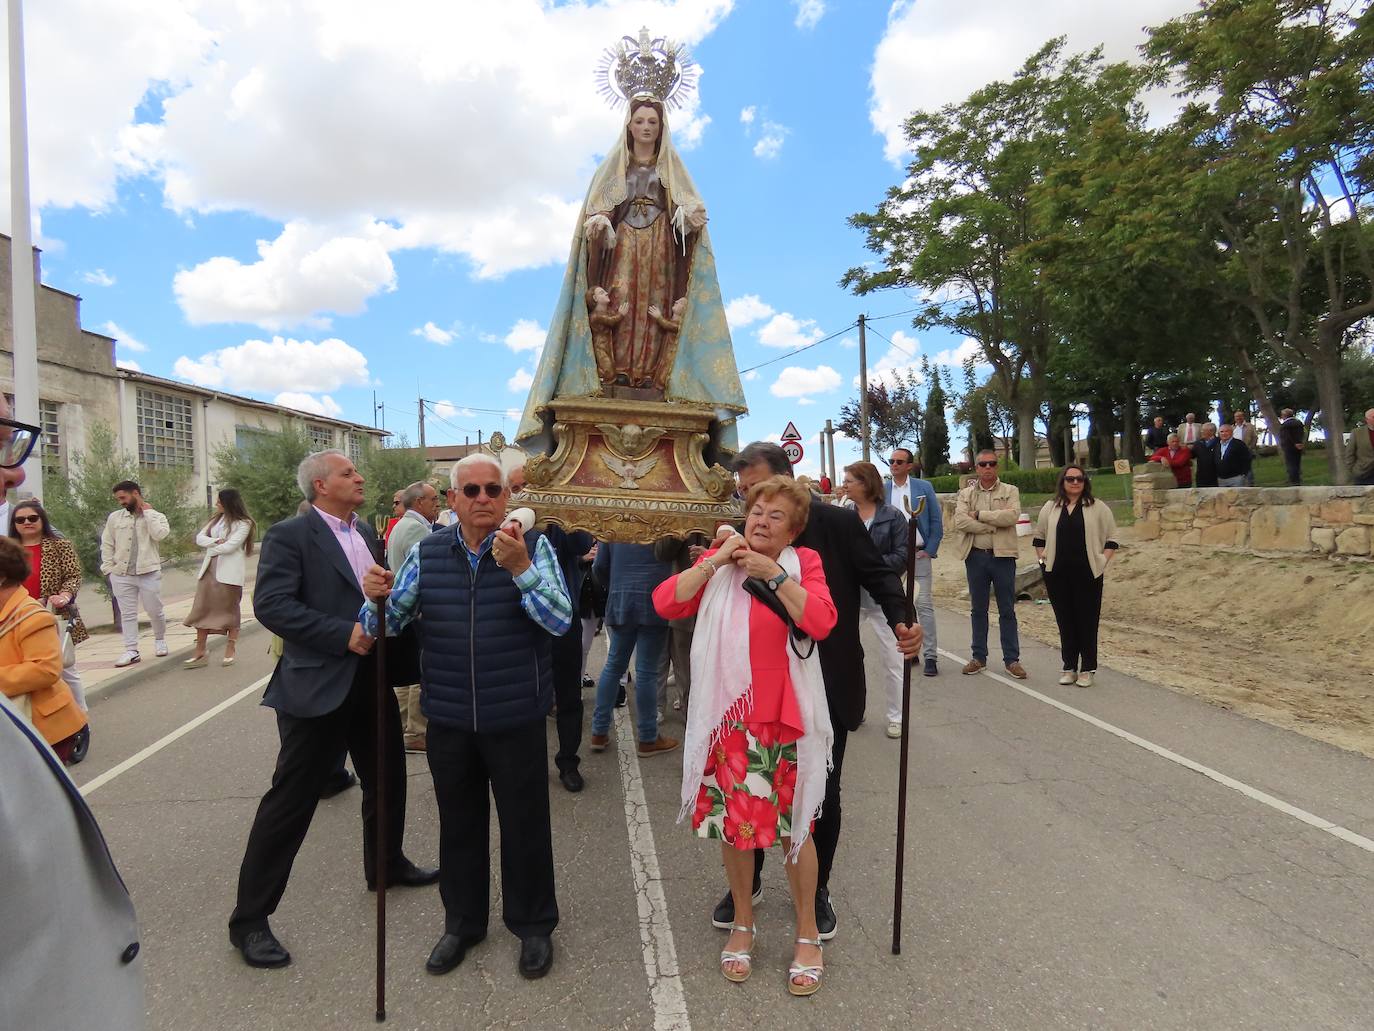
<point x="829" y="446"/>
<point x="863" y="385"/>
<point x="374" y="409"/>
<point x="422" y="424"/>
<point x="25" y="321"/>
<point x="381" y="407"/>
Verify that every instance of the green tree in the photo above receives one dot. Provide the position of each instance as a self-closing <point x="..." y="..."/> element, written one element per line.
<point x="935" y="431"/>
<point x="960" y="224"/>
<point x="80" y="502"/>
<point x="263" y="470"/>
<point x="1273" y="156"/>
<point x="386" y="470"/>
<point x="894" y="413"/>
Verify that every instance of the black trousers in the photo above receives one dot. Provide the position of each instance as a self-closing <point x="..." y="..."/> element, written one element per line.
<point x="567" y="697"/>
<point x="309" y="755"/>
<point x="1292" y="464"/>
<point x="512" y="766"/>
<point x="826" y="833"/>
<point x="1076" y="596"/>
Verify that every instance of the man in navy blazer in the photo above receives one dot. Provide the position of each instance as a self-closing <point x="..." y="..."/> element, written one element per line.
<point x="903" y="489"/>
<point x="308" y="593"/>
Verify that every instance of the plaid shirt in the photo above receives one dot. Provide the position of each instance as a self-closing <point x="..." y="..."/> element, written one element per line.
<point x="543" y="592"/>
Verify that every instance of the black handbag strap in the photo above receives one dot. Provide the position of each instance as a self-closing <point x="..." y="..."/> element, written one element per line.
<point x="759" y="589"/>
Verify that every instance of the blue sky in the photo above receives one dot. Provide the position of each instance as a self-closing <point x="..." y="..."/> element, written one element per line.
<point x="354" y="197"/>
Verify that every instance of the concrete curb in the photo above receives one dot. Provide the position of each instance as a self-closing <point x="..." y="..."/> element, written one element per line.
<point x="144" y="668"/>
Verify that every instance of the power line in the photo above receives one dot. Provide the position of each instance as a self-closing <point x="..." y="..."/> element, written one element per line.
<point x="789" y="354"/>
<point x="894" y="343"/>
<point x="895" y="314"/>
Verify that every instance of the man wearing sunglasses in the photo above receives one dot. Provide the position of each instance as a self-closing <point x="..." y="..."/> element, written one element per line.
<point x="905" y="490"/>
<point x="63" y="907"/>
<point x="985" y="516"/>
<point x="489" y="602"/>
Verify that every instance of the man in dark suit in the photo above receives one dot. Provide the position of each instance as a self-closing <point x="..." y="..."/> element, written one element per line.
<point x="1205" y="455"/>
<point x="850" y="561"/>
<point x="308" y="593"/>
<point x="1234" y="459"/>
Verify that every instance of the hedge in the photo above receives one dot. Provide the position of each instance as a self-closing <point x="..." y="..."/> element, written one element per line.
<point x="1032" y="481"/>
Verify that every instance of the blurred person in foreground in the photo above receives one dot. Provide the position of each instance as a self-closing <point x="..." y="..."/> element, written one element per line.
<point x="759" y="736"/>
<point x="489" y="599"/>
<point x="69" y="949"/>
<point x="54" y="581"/>
<point x="1075" y="541"/>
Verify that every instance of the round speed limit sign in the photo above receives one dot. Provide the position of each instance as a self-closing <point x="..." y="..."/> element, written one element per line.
<point x="793" y="450"/>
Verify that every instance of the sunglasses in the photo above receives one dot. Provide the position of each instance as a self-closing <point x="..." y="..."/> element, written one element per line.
<point x="1073" y="479"/>
<point x="18" y="443"/>
<point x="471" y="490"/>
<point x="987" y="465"/>
<point x="898" y="461"/>
<point x="27" y="519"/>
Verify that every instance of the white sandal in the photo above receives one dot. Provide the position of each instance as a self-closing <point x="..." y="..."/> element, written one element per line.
<point x="744" y="956"/>
<point x="814" y="973"/>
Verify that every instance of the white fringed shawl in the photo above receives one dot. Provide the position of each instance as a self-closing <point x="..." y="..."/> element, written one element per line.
<point x="721" y="690"/>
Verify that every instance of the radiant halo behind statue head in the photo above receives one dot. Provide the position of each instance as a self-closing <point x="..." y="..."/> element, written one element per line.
<point x="655" y="69"/>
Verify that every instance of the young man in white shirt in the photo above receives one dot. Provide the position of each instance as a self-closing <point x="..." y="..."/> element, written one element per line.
<point x="130" y="558"/>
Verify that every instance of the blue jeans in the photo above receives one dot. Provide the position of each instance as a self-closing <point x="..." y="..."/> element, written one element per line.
<point x="647" y="643"/>
<point x="985" y="575"/>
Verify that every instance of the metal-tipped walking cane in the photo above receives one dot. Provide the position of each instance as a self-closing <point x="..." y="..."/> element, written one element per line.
<point x="379" y="785"/>
<point x="906" y="729"/>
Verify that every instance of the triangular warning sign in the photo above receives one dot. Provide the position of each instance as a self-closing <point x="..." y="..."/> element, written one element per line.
<point x="791" y="432"/>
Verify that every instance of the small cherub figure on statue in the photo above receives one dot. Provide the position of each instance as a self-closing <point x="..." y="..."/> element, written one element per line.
<point x="662" y="363"/>
<point x="603" y="322"/>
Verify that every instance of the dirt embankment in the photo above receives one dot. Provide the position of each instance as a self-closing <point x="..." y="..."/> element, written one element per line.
<point x="1287" y="640"/>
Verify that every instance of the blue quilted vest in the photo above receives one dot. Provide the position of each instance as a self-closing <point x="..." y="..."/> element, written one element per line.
<point x="484" y="664"/>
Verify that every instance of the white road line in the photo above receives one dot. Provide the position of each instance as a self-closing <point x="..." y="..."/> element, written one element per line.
<point x="655" y="933"/>
<point x="162" y="742"/>
<point x="1288" y="809"/>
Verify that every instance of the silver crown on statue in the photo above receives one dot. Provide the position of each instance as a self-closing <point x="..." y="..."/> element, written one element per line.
<point x="645" y="67"/>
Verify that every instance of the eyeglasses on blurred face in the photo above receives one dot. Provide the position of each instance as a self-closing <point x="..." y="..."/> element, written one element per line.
<point x="16" y="442"/>
<point x="471" y="490"/>
<point x="1073" y="479"/>
<point x="21" y="519"/>
<point x="899" y="461"/>
<point x="987" y="465"/>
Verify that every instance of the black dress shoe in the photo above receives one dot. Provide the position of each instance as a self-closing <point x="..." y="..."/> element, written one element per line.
<point x="337" y="785"/>
<point x="572" y="780"/>
<point x="932" y="668"/>
<point x="406" y="875"/>
<point x="260" y="949"/>
<point x="449" y="951"/>
<point x="536" y="956"/>
<point x="81" y="745"/>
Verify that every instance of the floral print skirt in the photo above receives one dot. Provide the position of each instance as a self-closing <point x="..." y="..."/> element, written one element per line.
<point x="745" y="798"/>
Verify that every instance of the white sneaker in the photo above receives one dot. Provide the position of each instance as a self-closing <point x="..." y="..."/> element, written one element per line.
<point x="1066" y="678"/>
<point x="894" y="729"/>
<point x="160" y="648"/>
<point x="127" y="659"/>
<point x="1085" y="679"/>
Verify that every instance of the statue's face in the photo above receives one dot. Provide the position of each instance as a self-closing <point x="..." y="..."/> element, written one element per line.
<point x="601" y="297"/>
<point x="644" y="125"/>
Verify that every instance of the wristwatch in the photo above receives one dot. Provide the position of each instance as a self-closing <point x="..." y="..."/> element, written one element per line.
<point x="775" y="582"/>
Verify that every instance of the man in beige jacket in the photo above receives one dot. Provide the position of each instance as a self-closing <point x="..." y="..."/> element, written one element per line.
<point x="985" y="516"/>
<point x="129" y="557"/>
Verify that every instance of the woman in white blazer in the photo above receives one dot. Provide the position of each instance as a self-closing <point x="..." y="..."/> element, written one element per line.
<point x="1075" y="540"/>
<point x="228" y="541"/>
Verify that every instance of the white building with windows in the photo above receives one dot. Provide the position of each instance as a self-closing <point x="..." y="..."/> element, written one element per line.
<point x="161" y="422"/>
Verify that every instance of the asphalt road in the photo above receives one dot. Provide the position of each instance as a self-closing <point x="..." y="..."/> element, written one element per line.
<point x="1058" y="875"/>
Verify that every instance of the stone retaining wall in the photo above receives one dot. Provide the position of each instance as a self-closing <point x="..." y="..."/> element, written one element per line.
<point x="1326" y="521"/>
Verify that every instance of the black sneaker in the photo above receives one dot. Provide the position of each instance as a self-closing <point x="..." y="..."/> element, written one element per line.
<point x="724" y="915"/>
<point x="620" y="699"/>
<point x="825" y="915"/>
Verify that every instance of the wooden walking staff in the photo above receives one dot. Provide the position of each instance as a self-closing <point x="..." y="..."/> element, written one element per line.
<point x="906" y="728"/>
<point x="379" y="786"/>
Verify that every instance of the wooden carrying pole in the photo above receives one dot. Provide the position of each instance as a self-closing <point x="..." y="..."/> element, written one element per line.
<point x="906" y="730"/>
<point x="379" y="845"/>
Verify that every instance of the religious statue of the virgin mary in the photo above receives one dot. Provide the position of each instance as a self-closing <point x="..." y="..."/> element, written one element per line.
<point x="639" y="318"/>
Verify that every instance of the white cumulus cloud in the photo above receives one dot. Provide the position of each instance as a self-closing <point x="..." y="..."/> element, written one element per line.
<point x="306" y="272"/>
<point x="128" y="363"/>
<point x="521" y="381"/>
<point x="434" y="334"/>
<point x="936" y="52"/>
<point x="785" y="330"/>
<point x="323" y="405"/>
<point x="746" y="115"/>
<point x="795" y="382"/>
<point x="278" y="364"/>
<point x="770" y="141"/>
<point x="123" y="338"/>
<point x="809" y="13"/>
<point x="98" y="277"/>
<point x="745" y="311"/>
<point x="526" y="335"/>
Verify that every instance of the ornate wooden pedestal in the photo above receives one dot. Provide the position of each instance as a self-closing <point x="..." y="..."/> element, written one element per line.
<point x="632" y="471"/>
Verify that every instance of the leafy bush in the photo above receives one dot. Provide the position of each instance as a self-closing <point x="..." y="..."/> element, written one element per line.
<point x="80" y="502"/>
<point x="387" y="470"/>
<point x="1028" y="481"/>
<point x="264" y="472"/>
